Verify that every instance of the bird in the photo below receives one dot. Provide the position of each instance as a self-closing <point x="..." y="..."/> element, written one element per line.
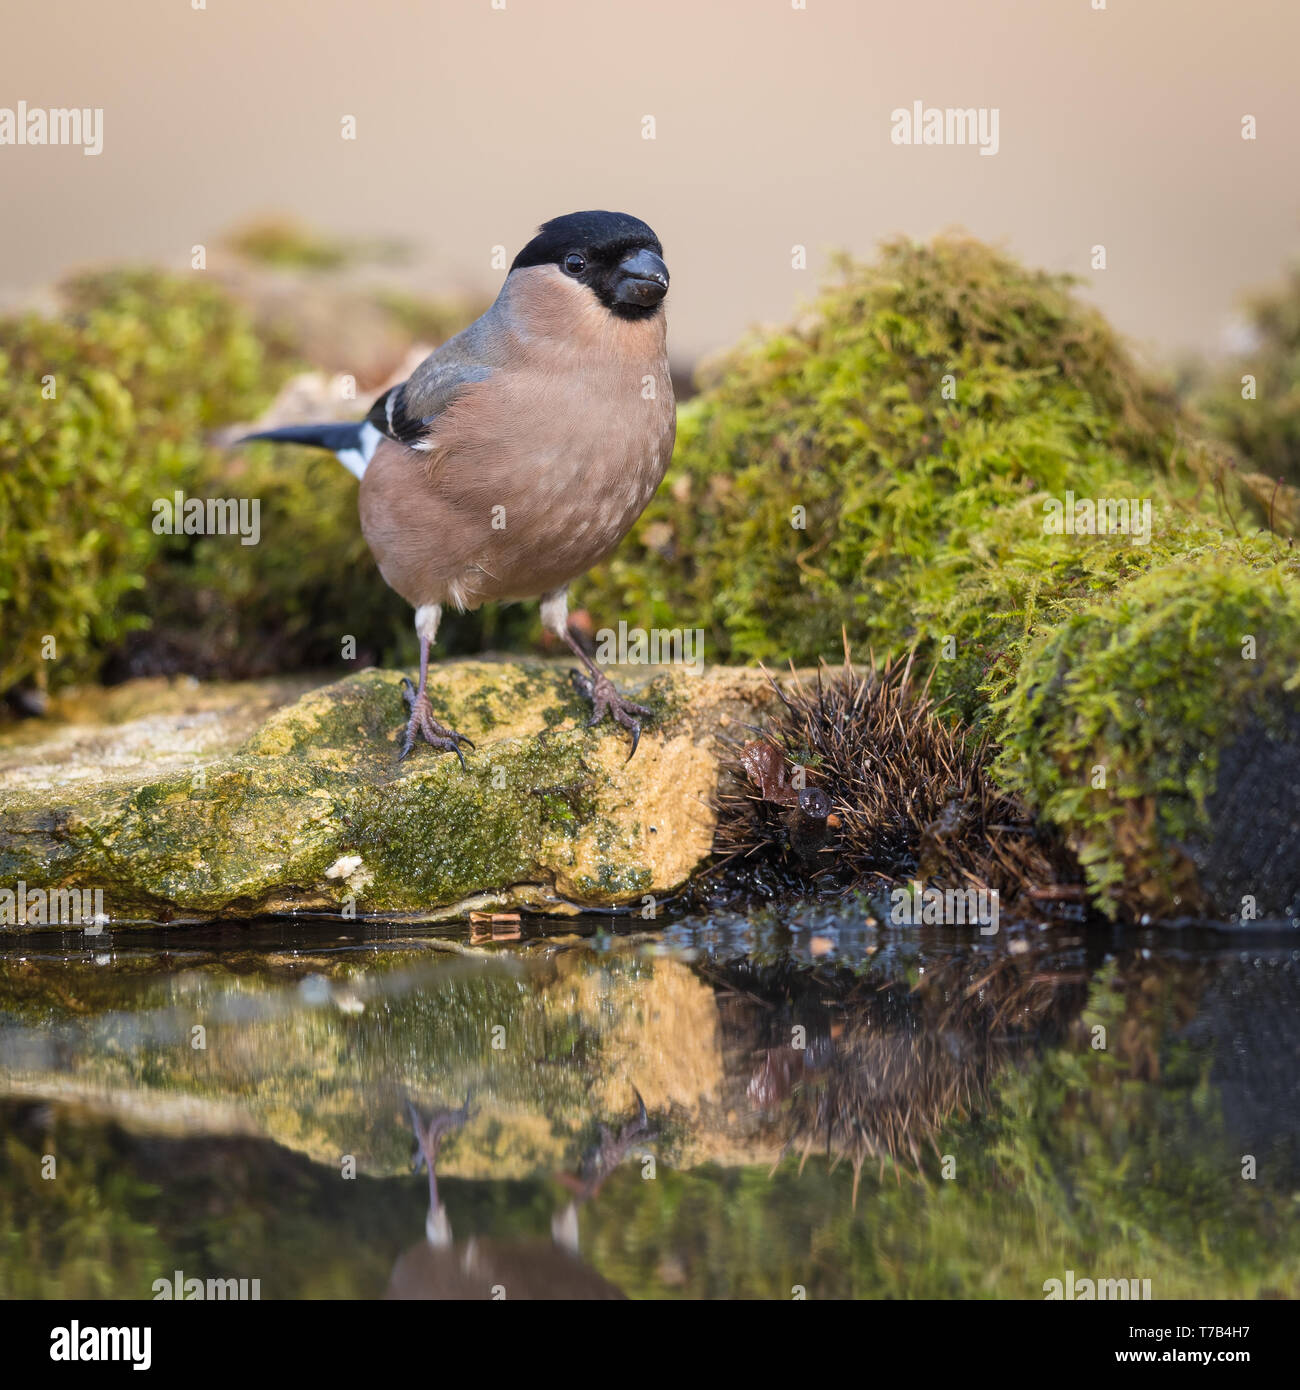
<point x="518" y="454"/>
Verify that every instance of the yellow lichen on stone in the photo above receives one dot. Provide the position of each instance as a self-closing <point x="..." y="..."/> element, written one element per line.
<point x="314" y="811"/>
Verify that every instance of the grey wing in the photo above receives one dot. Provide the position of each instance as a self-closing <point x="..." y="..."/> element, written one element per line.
<point x="407" y="412"/>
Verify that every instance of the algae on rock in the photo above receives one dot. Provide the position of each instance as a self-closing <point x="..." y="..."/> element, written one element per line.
<point x="313" y="812"/>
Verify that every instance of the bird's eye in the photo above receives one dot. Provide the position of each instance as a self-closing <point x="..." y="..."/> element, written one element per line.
<point x="574" y="263"/>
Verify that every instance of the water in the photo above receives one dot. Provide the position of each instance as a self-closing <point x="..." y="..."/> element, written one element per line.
<point x="832" y="1107"/>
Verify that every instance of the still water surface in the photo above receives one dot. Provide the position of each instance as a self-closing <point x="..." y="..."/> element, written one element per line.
<point x="830" y="1107"/>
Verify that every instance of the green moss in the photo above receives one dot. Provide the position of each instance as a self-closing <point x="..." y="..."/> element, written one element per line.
<point x="182" y="347"/>
<point x="490" y="827"/>
<point x="1150" y="686"/>
<point x="614" y="883"/>
<point x="308" y="596"/>
<point x="101" y="412"/>
<point x="287" y="244"/>
<point x="109" y="407"/>
<point x="429" y="320"/>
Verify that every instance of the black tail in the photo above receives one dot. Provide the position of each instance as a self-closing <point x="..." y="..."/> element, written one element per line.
<point x="335" y="438"/>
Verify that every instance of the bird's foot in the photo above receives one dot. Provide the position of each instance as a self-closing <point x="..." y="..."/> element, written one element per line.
<point x="606" y="700"/>
<point x="423" y="723"/>
<point x="429" y="1135"/>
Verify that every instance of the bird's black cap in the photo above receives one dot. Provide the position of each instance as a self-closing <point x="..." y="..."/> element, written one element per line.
<point x="606" y="235"/>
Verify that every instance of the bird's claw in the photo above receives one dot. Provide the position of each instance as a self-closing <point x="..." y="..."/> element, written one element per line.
<point x="606" y="700"/>
<point x="423" y="722"/>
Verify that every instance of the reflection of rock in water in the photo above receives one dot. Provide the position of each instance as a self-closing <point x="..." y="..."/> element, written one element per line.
<point x="438" y="1268"/>
<point x="1250" y="1015"/>
<point x="884" y="1065"/>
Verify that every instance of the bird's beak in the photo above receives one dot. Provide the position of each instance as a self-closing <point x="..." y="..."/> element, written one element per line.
<point x="642" y="279"/>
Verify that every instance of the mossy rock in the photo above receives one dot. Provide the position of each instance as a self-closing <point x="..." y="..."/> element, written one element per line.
<point x="884" y="469"/>
<point x="1161" y="727"/>
<point x="314" y="812"/>
<point x="880" y="467"/>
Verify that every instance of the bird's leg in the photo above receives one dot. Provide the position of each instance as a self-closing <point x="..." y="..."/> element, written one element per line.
<point x="426" y="1153"/>
<point x="422" y="720"/>
<point x="428" y="1140"/>
<point x="596" y="686"/>
<point x="605" y="697"/>
<point x="608" y="1152"/>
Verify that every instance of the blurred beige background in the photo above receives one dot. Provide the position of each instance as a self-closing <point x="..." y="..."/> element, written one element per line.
<point x="1120" y="127"/>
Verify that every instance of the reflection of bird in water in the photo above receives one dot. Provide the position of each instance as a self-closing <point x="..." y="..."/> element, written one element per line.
<point x="607" y="1153"/>
<point x="598" y="1163"/>
<point x="428" y="1140"/>
<point x="484" y="1268"/>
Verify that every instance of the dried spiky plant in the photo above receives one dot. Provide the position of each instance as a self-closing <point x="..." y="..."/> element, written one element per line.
<point x="860" y="782"/>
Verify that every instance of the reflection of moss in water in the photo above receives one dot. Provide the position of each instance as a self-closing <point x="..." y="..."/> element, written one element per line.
<point x="1139" y="1176"/>
<point x="80" y="1234"/>
<point x="1080" y="1161"/>
<point x="127" y="1211"/>
<point x="891" y="1055"/>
